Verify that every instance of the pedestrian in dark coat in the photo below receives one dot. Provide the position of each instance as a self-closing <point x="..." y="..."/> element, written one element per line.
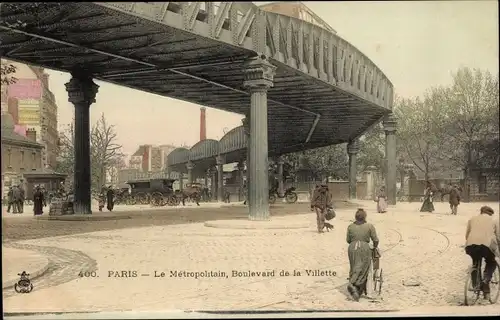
<point x="454" y="199"/>
<point x="110" y="199"/>
<point x="21" y="199"/>
<point x="10" y="199"/>
<point x="321" y="201"/>
<point x="38" y="202"/>
<point x="16" y="196"/>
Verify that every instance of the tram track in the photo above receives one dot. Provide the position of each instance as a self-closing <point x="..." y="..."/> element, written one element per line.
<point x="344" y="284"/>
<point x="329" y="267"/>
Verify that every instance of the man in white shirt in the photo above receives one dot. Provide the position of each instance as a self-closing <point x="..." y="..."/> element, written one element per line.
<point x="482" y="241"/>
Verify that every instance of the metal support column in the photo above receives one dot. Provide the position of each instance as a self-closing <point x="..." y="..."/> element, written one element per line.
<point x="281" y="187"/>
<point x="190" y="167"/>
<point x="241" y="181"/>
<point x="220" y="178"/>
<point x="82" y="91"/>
<point x="390" y="125"/>
<point x="352" y="151"/>
<point x="259" y="75"/>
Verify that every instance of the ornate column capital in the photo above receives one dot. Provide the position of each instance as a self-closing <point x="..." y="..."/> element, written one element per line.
<point x="219" y="160"/>
<point x="190" y="165"/>
<point x="390" y="123"/>
<point x="353" y="147"/>
<point x="280" y="161"/>
<point x="81" y="89"/>
<point x="258" y="73"/>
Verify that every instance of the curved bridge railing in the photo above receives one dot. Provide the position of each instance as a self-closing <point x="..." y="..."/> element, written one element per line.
<point x="232" y="141"/>
<point x="289" y="41"/>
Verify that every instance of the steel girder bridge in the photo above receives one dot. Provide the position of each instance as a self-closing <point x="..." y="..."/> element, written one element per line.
<point x="307" y="86"/>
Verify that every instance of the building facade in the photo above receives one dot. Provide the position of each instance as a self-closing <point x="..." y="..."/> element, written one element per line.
<point x="20" y="154"/>
<point x="33" y="106"/>
<point x="149" y="158"/>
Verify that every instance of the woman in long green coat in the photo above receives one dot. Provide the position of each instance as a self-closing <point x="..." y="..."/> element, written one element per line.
<point x="359" y="234"/>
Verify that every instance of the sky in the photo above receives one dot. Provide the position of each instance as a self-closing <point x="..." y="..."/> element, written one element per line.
<point x="417" y="44"/>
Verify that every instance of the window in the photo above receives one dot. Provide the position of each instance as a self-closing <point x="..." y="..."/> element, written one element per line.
<point x="33" y="161"/>
<point x="22" y="158"/>
<point x="482" y="184"/>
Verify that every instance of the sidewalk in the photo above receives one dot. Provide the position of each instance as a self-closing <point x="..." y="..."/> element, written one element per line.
<point x="16" y="261"/>
<point x="28" y="209"/>
<point x="193" y="267"/>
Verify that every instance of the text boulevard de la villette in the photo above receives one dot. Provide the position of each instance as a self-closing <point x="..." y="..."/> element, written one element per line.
<point x="200" y="274"/>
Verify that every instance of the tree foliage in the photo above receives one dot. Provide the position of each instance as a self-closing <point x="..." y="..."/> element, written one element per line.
<point x="105" y="152"/>
<point x="372" y="149"/>
<point x="323" y="162"/>
<point x="448" y="127"/>
<point x="471" y="111"/>
<point x="7" y="73"/>
<point x="419" y="131"/>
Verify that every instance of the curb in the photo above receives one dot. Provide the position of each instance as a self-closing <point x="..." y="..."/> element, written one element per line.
<point x="33" y="275"/>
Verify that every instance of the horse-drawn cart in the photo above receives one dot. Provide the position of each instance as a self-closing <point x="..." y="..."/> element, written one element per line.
<point x="157" y="192"/>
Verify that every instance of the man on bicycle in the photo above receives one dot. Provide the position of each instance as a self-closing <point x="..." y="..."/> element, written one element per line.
<point x="482" y="241"/>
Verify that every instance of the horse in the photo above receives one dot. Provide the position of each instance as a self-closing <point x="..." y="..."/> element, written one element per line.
<point x="192" y="191"/>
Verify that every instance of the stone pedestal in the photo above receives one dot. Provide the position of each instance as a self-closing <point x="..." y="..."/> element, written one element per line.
<point x="220" y="178"/>
<point x="190" y="167"/>
<point x="82" y="91"/>
<point x="352" y="151"/>
<point x="390" y="154"/>
<point x="259" y="75"/>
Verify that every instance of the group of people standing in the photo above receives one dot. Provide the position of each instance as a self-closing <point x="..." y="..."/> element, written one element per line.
<point x="15" y="199"/>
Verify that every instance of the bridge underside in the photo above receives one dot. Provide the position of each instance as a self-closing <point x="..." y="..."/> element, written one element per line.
<point x="152" y="57"/>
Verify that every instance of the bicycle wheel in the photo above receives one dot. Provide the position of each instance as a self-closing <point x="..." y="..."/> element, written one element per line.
<point x="472" y="294"/>
<point x="495" y="285"/>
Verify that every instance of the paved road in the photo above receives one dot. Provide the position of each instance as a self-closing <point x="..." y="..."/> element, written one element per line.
<point x="419" y="247"/>
<point x="25" y="227"/>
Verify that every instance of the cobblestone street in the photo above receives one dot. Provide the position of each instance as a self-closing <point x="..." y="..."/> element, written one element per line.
<point x="423" y="248"/>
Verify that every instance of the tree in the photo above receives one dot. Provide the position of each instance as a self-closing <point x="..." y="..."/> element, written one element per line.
<point x="420" y="131"/>
<point x="105" y="151"/>
<point x="330" y="161"/>
<point x="471" y="110"/>
<point x="7" y="72"/>
<point x="372" y="149"/>
<point x="66" y="156"/>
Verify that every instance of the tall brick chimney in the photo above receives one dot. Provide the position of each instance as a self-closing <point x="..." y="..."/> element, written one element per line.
<point x="31" y="134"/>
<point x="203" y="124"/>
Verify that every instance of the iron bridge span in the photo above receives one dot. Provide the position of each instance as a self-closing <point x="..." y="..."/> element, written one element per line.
<point x="325" y="90"/>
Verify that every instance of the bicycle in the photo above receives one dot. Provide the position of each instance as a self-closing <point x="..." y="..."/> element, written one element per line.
<point x="475" y="292"/>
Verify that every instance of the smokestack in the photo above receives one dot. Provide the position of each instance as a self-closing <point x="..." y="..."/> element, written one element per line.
<point x="203" y="124"/>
